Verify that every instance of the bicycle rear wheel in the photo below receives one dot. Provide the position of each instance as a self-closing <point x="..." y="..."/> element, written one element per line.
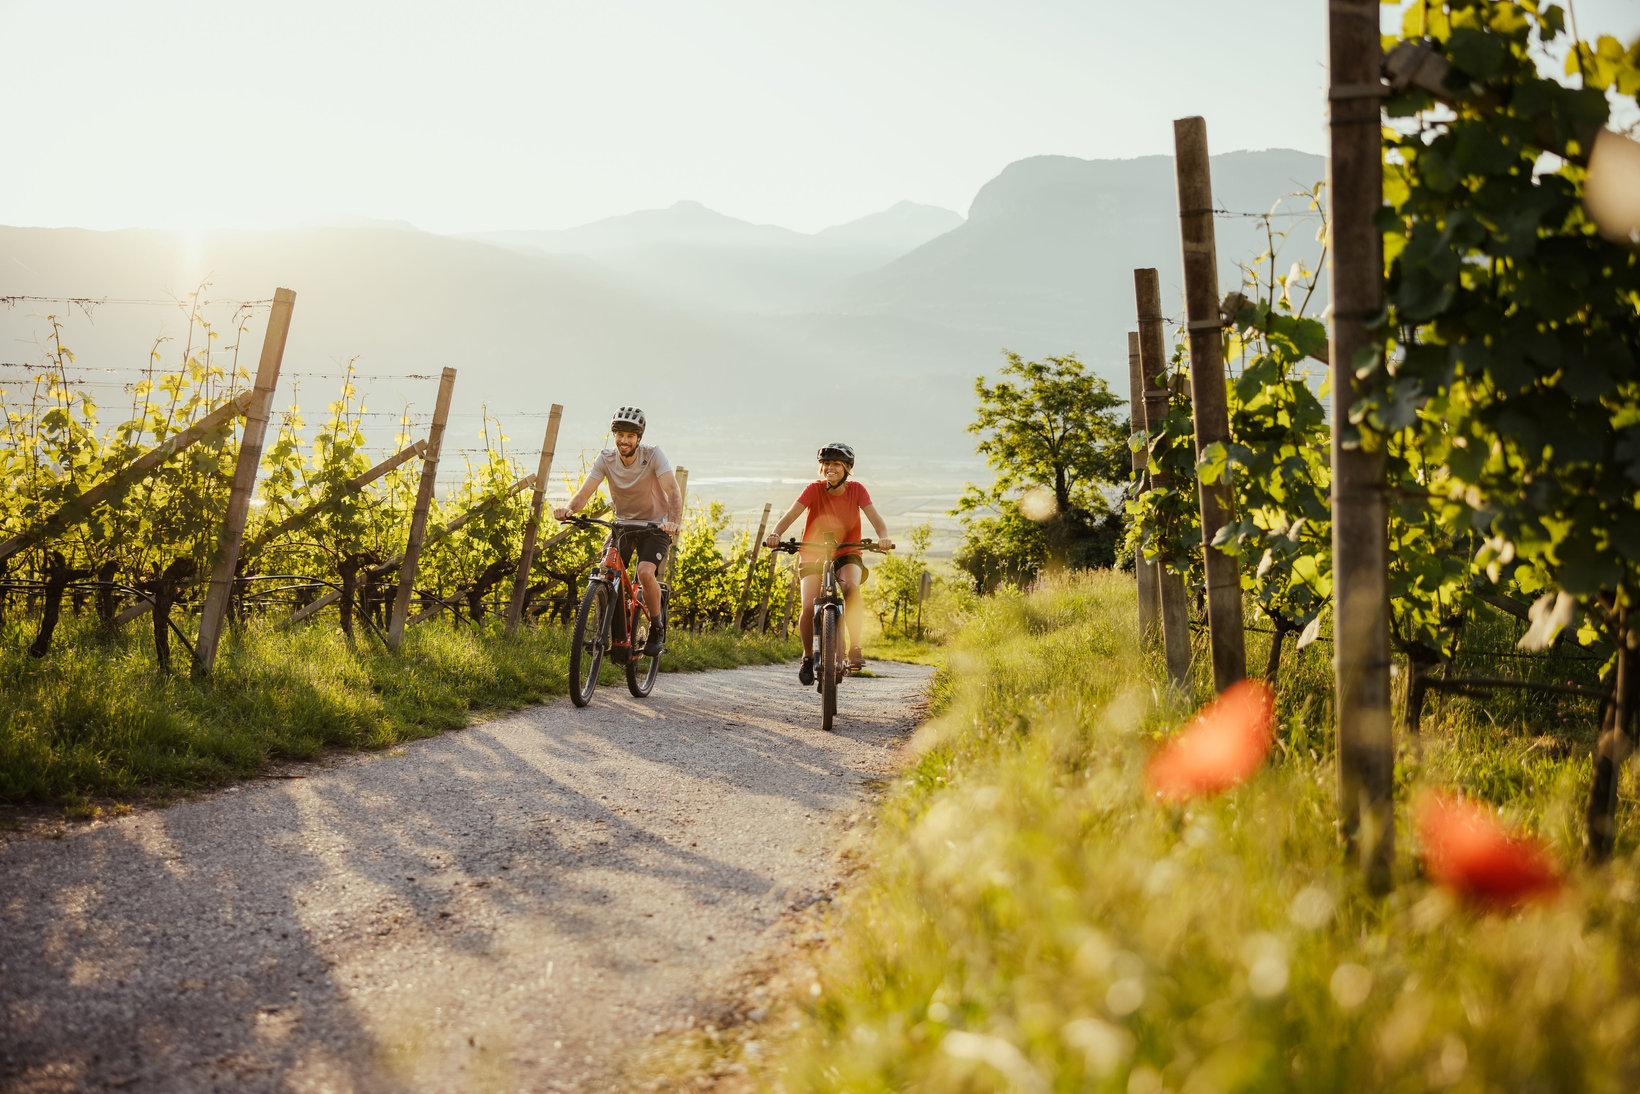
<point x="586" y="651"/>
<point x="827" y="666"/>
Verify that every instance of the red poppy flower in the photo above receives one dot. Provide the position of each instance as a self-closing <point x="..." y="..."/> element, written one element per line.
<point x="1224" y="745"/>
<point x="1467" y="850"/>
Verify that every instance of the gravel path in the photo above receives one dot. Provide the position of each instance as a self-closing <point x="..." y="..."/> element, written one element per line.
<point x="514" y="906"/>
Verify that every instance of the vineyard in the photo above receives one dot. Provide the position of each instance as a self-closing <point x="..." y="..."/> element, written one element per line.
<point x="1484" y="364"/>
<point x="207" y="515"/>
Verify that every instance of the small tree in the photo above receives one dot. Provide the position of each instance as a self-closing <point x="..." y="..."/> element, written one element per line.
<point x="1057" y="441"/>
<point x="895" y="580"/>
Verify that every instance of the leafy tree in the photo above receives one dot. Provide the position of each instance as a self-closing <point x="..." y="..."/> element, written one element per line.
<point x="1057" y="441"/>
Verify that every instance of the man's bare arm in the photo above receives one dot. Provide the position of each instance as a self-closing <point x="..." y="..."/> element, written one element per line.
<point x="674" y="502"/>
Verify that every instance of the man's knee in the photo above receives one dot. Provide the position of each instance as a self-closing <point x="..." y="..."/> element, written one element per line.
<point x="646" y="570"/>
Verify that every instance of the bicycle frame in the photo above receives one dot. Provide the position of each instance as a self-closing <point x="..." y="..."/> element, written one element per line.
<point x="613" y="569"/>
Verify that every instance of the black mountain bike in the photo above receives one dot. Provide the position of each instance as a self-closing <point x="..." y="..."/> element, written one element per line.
<point x="613" y="619"/>
<point x="829" y="669"/>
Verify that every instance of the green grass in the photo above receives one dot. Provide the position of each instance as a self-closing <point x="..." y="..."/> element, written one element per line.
<point x="97" y="719"/>
<point x="1026" y="919"/>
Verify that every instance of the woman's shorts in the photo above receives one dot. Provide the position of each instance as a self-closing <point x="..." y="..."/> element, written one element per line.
<point x="812" y="569"/>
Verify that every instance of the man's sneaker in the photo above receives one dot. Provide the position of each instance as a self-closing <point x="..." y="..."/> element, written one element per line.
<point x="657" y="636"/>
<point x="805" y="672"/>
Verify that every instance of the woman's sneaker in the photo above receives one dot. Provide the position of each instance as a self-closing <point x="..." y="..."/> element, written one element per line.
<point x="805" y="672"/>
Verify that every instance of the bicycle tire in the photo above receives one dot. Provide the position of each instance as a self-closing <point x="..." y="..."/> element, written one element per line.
<point x="827" y="668"/>
<point x="641" y="683"/>
<point x="586" y="650"/>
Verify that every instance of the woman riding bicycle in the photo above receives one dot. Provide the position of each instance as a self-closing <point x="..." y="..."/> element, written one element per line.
<point x="834" y="503"/>
<point x="641" y="487"/>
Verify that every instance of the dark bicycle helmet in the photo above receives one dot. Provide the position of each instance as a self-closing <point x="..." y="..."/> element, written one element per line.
<point x="837" y="451"/>
<point x="627" y="419"/>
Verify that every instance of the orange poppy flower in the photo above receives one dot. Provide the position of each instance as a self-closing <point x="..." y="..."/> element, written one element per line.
<point x="1224" y="745"/>
<point x="1467" y="850"/>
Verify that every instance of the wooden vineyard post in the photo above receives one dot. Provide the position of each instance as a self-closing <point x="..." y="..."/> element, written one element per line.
<point x="220" y="590"/>
<point x="418" y="520"/>
<point x="1366" y="747"/>
<point x="1207" y="397"/>
<point x="682" y="474"/>
<point x="532" y="530"/>
<point x="757" y="549"/>
<point x="925" y="585"/>
<point x="768" y="593"/>
<point x="791" y="602"/>
<point x="1145" y="572"/>
<point x="1147" y="293"/>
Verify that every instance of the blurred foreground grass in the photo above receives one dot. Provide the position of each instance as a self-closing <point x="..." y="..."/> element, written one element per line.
<point x="1026" y="920"/>
<point x="97" y="718"/>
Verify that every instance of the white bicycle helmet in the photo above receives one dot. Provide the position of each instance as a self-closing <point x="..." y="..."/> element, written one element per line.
<point x="627" y="419"/>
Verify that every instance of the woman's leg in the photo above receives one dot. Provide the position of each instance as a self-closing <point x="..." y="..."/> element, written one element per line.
<point x="805" y="615"/>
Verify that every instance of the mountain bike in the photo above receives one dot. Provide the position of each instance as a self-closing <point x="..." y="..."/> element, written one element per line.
<point x="613" y="619"/>
<point x="828" y="621"/>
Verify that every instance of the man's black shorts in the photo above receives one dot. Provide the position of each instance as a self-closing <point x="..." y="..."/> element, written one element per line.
<point x="648" y="546"/>
<point x="812" y="569"/>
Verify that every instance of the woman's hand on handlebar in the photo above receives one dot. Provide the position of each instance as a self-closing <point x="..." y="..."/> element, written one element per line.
<point x="885" y="545"/>
<point x="771" y="540"/>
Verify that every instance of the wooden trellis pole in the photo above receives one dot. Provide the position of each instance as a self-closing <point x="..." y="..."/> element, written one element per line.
<point x="1149" y="602"/>
<point x="418" y="520"/>
<point x="1205" y="329"/>
<point x="1147" y="293"/>
<point x="791" y="602"/>
<point x="757" y="549"/>
<point x="1366" y="747"/>
<point x="220" y="589"/>
<point x="543" y="471"/>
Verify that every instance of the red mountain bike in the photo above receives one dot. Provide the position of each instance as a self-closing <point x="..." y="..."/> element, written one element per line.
<point x="613" y="619"/>
<point x="828" y="621"/>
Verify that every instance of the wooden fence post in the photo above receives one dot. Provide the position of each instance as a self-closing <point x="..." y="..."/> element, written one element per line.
<point x="768" y="593"/>
<point x="746" y="587"/>
<point x="543" y="471"/>
<point x="1145" y="572"/>
<point x="418" y="519"/>
<point x="220" y="590"/>
<point x="791" y="601"/>
<point x="1366" y="747"/>
<point x="1212" y="417"/>
<point x="1147" y="291"/>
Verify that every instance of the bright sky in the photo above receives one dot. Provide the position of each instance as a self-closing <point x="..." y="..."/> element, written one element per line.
<point x="496" y="114"/>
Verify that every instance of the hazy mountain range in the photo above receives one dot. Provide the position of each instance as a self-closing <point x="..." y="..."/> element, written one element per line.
<point x="748" y="343"/>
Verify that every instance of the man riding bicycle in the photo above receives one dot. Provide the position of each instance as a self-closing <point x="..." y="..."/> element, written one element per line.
<point x="642" y="486"/>
<point x="834" y="503"/>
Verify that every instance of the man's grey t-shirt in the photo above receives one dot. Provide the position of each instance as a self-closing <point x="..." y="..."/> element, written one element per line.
<point x="635" y="490"/>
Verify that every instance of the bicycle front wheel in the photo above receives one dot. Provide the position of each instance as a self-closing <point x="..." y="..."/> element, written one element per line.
<point x="827" y="667"/>
<point x="586" y="651"/>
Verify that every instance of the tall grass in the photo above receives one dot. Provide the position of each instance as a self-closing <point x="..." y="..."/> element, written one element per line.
<point x="1030" y="921"/>
<point x="97" y="718"/>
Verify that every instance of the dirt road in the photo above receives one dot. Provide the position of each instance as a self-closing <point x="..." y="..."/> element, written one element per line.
<point x="514" y="906"/>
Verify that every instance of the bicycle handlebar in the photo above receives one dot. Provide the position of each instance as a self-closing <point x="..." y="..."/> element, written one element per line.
<point x="790" y="546"/>
<point x="612" y="525"/>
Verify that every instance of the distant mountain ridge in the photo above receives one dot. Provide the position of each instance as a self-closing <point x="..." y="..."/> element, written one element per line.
<point x="744" y="337"/>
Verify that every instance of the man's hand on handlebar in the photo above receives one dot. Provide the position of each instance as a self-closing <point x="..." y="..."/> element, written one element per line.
<point x="670" y="527"/>
<point x="561" y="514"/>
